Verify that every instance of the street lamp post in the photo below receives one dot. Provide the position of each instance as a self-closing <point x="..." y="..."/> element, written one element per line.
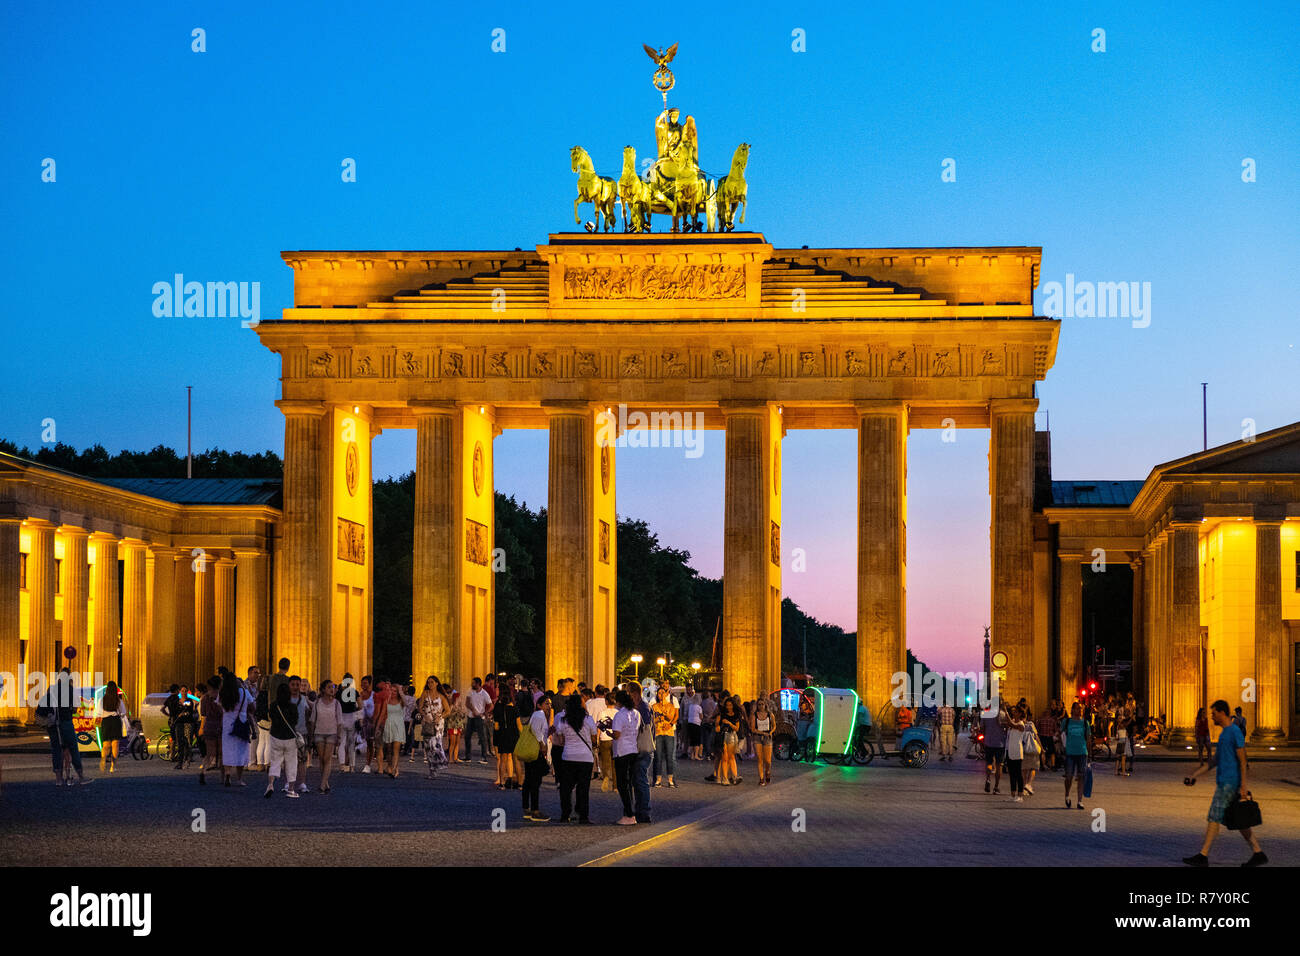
<point x="661" y="661"/>
<point x="636" y="666"/>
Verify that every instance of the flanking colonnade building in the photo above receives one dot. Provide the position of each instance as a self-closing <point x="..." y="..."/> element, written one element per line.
<point x="460" y="345"/>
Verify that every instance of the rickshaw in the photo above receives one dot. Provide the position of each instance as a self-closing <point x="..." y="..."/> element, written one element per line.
<point x="912" y="745"/>
<point x="826" y="725"/>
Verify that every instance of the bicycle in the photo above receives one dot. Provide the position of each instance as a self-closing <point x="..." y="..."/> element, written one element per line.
<point x="166" y="747"/>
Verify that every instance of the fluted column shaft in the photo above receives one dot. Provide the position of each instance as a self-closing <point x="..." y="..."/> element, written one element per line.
<point x="568" y="546"/>
<point x="205" y="637"/>
<point x="40" y="599"/>
<point x="435" y="558"/>
<point x="882" y="552"/>
<point x="223" y="614"/>
<point x="251" y="595"/>
<point x="1011" y="472"/>
<point x="135" y="622"/>
<point x="1069" y="625"/>
<point x="161" y="665"/>
<point x="1185" y="629"/>
<point x="11" y="699"/>
<point x="76" y="594"/>
<point x="107" y="627"/>
<point x="302" y="606"/>
<point x="1139" y="643"/>
<point x="1268" y="630"/>
<point x="187" y="668"/>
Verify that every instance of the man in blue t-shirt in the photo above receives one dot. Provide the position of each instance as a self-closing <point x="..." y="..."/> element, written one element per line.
<point x="1230" y="785"/>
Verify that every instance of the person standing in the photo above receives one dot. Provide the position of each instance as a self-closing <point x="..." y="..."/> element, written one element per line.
<point x="664" y="715"/>
<point x="947" y="732"/>
<point x="323" y="729"/>
<point x="539" y="726"/>
<point x="505" y="733"/>
<point x="477" y="706"/>
<point x="236" y="727"/>
<point x="1202" y="736"/>
<point x="645" y="748"/>
<point x="624" y="727"/>
<point x="1230" y="785"/>
<point x="253" y="684"/>
<point x="56" y="710"/>
<point x="457" y="720"/>
<point x="1033" y="747"/>
<point x="761" y="725"/>
<point x="694" y="730"/>
<point x="298" y="697"/>
<point x="577" y="753"/>
<point x="112" y="718"/>
<point x="708" y="719"/>
<point x="1076" y="742"/>
<point x="1048" y="726"/>
<point x="210" y="719"/>
<point x="284" y="742"/>
<point x="432" y="709"/>
<point x="394" y="727"/>
<point x="604" y="724"/>
<point x="1016" y="753"/>
<point x="727" y="730"/>
<point x="349" y="722"/>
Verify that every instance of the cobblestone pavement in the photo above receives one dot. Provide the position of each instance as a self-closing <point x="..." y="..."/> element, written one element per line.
<point x="880" y="815"/>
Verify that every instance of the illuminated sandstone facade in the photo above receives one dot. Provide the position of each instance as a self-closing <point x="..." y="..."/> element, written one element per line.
<point x="1213" y="540"/>
<point x="459" y="345"/>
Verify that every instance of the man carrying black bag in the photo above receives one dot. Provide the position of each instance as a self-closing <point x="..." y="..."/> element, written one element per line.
<point x="1232" y="805"/>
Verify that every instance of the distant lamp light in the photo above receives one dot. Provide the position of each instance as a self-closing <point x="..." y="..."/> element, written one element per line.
<point x="695" y="665"/>
<point x="661" y="661"/>
<point x="482" y="409"/>
<point x="356" y="409"/>
<point x="637" y="658"/>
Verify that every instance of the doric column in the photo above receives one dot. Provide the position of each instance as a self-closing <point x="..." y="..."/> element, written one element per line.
<point x="187" y="668"/>
<point x="882" y="551"/>
<point x="205" y="635"/>
<point x="435" y="603"/>
<point x="40" y="599"/>
<point x="1069" y="611"/>
<point x="580" y="555"/>
<point x="76" y="593"/>
<point x="1185" y="627"/>
<point x="751" y="553"/>
<point x="1268" y="630"/>
<point x="251" y="602"/>
<point x="161" y="664"/>
<point x="12" y="698"/>
<point x="1139" y="673"/>
<point x="1011" y="481"/>
<point x="452" y="625"/>
<point x="1160" y="653"/>
<point x="135" y="622"/>
<point x="106" y="626"/>
<point x="223" y="614"/>
<point x="303" y="599"/>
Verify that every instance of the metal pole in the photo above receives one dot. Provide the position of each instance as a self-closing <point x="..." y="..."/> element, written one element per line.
<point x="805" y="649"/>
<point x="1205" y="431"/>
<point x="189" y="452"/>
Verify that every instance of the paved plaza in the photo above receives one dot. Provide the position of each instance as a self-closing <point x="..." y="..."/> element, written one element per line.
<point x="882" y="815"/>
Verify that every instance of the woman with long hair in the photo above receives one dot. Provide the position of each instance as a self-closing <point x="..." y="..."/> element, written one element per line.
<point x="432" y="708"/>
<point x="112" y="708"/>
<point x="761" y="725"/>
<point x="539" y="725"/>
<point x="394" y="723"/>
<point x="209" y="727"/>
<point x="578" y="736"/>
<point x="323" y="727"/>
<point x="624" y="727"/>
<point x="236" y="726"/>
<point x="456" y="721"/>
<point x="505" y="734"/>
<point x="728" y="729"/>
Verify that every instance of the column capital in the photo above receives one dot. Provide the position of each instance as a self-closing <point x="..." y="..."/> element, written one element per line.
<point x="164" y="550"/>
<point x="224" y="563"/>
<point x="730" y="407"/>
<point x="561" y="406"/>
<point x="1012" y="406"/>
<point x="1269" y="514"/>
<point x="300" y="407"/>
<point x="880" y="407"/>
<point x="132" y="543"/>
<point x="1071" y="557"/>
<point x="103" y="537"/>
<point x="39" y="523"/>
<point x="73" y="531"/>
<point x="423" y="408"/>
<point x="248" y="552"/>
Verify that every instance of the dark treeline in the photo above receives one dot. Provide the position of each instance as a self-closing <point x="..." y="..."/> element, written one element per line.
<point x="663" y="604"/>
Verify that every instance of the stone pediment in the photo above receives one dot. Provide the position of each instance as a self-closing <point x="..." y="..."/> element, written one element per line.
<point x="1275" y="452"/>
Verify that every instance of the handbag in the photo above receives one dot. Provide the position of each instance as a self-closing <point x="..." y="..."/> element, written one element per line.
<point x="645" y="739"/>
<point x="298" y="738"/>
<point x="1242" y="814"/>
<point x="240" y="728"/>
<point x="1087" y="782"/>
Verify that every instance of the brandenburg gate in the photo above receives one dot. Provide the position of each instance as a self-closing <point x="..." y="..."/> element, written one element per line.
<point x="460" y="345"/>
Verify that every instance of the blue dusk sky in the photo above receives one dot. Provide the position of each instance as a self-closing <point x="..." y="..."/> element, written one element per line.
<point x="1123" y="165"/>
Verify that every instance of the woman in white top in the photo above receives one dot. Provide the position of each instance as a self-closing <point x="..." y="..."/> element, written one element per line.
<point x="236" y="711"/>
<point x="1033" y="747"/>
<point x="761" y="725"/>
<point x="539" y="725"/>
<point x="1016" y="753"/>
<point x="624" y="728"/>
<point x="578" y="735"/>
<point x="326" y="718"/>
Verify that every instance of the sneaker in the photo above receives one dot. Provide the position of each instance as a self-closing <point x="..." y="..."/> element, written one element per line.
<point x="627" y="821"/>
<point x="292" y="794"/>
<point x="1079" y="805"/>
<point x="1256" y="859"/>
<point x="268" y="793"/>
<point x="483" y="762"/>
<point x="302" y="788"/>
<point x="987" y="786"/>
<point x="1067" y="803"/>
<point x="1199" y="859"/>
<point x="1017" y="799"/>
<point x="82" y="781"/>
<point x="539" y="817"/>
<point x="672" y="784"/>
<point x="366" y="769"/>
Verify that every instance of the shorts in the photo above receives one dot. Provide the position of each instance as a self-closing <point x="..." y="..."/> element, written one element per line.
<point x="761" y="740"/>
<point x="1224" y="794"/>
<point x="1076" y="765"/>
<point x="1121" y="745"/>
<point x="326" y="740"/>
<point x="693" y="734"/>
<point x="993" y="756"/>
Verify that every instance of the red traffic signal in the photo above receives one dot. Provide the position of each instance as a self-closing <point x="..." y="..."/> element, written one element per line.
<point x="1083" y="692"/>
<point x="1092" y="685"/>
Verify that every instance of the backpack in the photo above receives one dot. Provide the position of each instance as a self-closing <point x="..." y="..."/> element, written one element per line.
<point x="527" y="749"/>
<point x="262" y="709"/>
<point x="645" y="737"/>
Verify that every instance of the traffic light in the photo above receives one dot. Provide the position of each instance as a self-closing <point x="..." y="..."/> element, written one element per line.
<point x="1092" y="685"/>
<point x="1083" y="692"/>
